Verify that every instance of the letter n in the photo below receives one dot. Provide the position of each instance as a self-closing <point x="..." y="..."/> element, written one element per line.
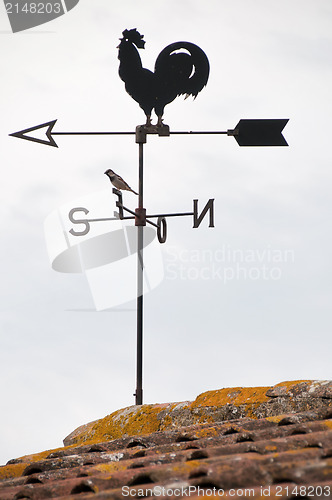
<point x="198" y="218"/>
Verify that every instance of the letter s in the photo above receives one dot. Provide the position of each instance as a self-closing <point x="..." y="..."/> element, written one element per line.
<point x="79" y="221"/>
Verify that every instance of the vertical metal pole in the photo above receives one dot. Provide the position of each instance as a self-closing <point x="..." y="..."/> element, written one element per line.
<point x="139" y="374"/>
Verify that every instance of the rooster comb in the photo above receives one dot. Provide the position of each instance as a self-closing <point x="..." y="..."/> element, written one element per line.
<point x="135" y="37"/>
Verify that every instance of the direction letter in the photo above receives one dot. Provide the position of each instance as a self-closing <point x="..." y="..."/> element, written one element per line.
<point x="79" y="221"/>
<point x="162" y="229"/>
<point x="119" y="203"/>
<point x="198" y="218"/>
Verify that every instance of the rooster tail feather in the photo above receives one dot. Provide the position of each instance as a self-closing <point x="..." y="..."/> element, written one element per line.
<point x="200" y="63"/>
<point x="190" y="95"/>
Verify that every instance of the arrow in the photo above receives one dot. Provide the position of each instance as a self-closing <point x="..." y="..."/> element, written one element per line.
<point x="246" y="133"/>
<point x="23" y="134"/>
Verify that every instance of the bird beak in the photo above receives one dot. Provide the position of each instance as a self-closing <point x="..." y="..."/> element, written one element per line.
<point x="105" y="172"/>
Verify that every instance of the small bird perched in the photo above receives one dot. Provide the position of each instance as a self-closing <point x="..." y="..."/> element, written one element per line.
<point x="118" y="182"/>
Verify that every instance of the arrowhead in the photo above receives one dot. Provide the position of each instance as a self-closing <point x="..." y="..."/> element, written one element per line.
<point x="260" y="132"/>
<point x="23" y="134"/>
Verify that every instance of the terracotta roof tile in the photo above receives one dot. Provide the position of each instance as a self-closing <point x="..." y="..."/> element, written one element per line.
<point x="243" y="458"/>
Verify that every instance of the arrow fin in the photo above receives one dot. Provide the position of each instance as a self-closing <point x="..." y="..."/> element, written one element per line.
<point x="23" y="134"/>
<point x="260" y="132"/>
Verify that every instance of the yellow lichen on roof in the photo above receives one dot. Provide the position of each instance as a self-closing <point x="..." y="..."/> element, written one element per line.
<point x="107" y="469"/>
<point x="127" y="422"/>
<point x="224" y="404"/>
<point x="10" y="471"/>
<point x="275" y="419"/>
<point x="236" y="396"/>
<point x="15" y="470"/>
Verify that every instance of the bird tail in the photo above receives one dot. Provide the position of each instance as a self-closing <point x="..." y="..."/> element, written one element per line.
<point x="133" y="191"/>
<point x="198" y="79"/>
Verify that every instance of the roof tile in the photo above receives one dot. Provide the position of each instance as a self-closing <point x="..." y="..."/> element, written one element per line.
<point x="269" y="457"/>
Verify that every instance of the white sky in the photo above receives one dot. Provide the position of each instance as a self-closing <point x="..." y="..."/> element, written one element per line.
<point x="61" y="363"/>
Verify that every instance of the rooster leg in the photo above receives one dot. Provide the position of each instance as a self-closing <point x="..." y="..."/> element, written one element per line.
<point x="148" y="121"/>
<point x="160" y="121"/>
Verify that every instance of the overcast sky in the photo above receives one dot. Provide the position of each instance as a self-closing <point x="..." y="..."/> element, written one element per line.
<point x="244" y="304"/>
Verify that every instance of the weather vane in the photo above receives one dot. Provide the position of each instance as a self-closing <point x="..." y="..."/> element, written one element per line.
<point x="182" y="68"/>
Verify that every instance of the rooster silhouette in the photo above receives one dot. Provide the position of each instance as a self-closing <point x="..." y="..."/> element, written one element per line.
<point x="175" y="73"/>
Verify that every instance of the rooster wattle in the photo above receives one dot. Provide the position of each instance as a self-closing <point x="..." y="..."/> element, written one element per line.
<point x="176" y="73"/>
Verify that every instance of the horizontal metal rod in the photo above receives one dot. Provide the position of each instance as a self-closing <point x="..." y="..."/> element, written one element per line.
<point x="152" y="223"/>
<point x="189" y="132"/>
<point x="93" y="133"/>
<point x="170" y="215"/>
<point x="103" y="219"/>
<point x="200" y="132"/>
<point x="127" y="210"/>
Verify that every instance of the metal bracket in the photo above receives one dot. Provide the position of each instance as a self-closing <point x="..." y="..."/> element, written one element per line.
<point x="143" y="130"/>
<point x="140" y="217"/>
